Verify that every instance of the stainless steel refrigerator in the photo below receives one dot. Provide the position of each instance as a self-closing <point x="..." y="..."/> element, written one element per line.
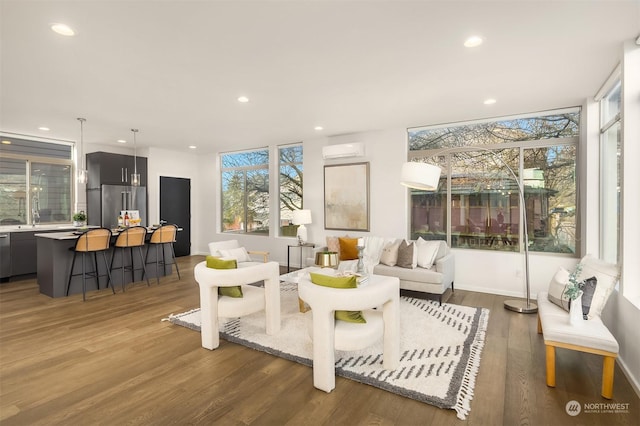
<point x="109" y="200"/>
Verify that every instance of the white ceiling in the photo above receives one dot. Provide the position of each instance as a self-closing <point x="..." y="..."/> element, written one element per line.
<point x="174" y="69"/>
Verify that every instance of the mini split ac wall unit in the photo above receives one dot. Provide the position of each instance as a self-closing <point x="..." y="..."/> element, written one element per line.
<point x="343" y="150"/>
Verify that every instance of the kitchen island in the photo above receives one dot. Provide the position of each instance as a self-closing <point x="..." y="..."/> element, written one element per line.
<point x="55" y="254"/>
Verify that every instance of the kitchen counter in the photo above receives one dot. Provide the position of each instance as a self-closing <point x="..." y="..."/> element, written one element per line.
<point x="55" y="254"/>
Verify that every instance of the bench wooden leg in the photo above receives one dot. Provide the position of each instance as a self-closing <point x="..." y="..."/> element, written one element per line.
<point x="551" y="366"/>
<point x="608" y="367"/>
<point x="539" y="325"/>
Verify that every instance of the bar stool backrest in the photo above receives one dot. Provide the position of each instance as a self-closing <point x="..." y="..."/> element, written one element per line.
<point x="131" y="237"/>
<point x="94" y="240"/>
<point x="164" y="234"/>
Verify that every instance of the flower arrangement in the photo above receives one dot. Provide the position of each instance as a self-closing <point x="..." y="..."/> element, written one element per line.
<point x="574" y="288"/>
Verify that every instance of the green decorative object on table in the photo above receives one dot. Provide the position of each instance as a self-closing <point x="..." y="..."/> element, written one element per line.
<point x="80" y="218"/>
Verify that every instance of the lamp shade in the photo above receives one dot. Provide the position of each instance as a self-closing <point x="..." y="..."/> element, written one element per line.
<point x="301" y="217"/>
<point x="420" y="176"/>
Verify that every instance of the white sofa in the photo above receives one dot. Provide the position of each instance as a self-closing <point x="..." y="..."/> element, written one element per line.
<point x="434" y="281"/>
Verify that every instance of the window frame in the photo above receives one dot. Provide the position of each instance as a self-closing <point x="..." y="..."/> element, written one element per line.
<point x="57" y="161"/>
<point x="435" y="155"/>
<point x="265" y="166"/>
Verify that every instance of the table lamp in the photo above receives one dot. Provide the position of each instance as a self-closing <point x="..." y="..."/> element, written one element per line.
<point x="302" y="218"/>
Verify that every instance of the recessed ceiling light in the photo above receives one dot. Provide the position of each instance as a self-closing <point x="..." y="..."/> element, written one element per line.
<point x="63" y="29"/>
<point x="192" y="147"/>
<point x="473" y="41"/>
<point x="243" y="99"/>
<point x="318" y="128"/>
<point x="121" y="141"/>
<point x="5" y="142"/>
<point x="489" y="102"/>
<point x="44" y="129"/>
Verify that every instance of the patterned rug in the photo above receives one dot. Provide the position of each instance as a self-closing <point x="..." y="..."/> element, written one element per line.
<point x="439" y="351"/>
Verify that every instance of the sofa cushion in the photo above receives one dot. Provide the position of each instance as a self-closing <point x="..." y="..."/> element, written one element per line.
<point x="340" y="282"/>
<point x="557" y="287"/>
<point x="404" y="274"/>
<point x="239" y="254"/>
<point x="407" y="255"/>
<point x="428" y="252"/>
<point x="389" y="255"/>
<point x="606" y="274"/>
<point x="218" y="263"/>
<point x="348" y="248"/>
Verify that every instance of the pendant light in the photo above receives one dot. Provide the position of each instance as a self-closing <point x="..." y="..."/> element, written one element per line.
<point x="82" y="171"/>
<point x="135" y="176"/>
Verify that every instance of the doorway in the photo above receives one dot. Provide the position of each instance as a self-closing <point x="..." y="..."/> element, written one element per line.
<point x="175" y="207"/>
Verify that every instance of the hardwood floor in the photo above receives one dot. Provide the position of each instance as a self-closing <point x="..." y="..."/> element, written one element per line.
<point x="110" y="360"/>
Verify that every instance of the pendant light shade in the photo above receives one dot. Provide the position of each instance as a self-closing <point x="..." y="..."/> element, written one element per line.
<point x="82" y="171"/>
<point x="135" y="176"/>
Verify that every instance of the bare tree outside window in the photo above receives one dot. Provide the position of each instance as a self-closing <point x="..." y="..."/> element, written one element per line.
<point x="245" y="192"/>
<point x="483" y="204"/>
<point x="291" y="174"/>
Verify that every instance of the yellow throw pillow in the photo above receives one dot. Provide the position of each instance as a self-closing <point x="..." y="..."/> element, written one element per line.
<point x="340" y="282"/>
<point x="348" y="249"/>
<point x="217" y="263"/>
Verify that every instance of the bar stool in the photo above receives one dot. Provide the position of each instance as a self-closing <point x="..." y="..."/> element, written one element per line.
<point x="92" y="241"/>
<point x="165" y="235"/>
<point x="128" y="239"/>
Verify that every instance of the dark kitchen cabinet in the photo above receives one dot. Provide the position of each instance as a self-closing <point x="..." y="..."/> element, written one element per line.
<point x="106" y="168"/>
<point x="23" y="255"/>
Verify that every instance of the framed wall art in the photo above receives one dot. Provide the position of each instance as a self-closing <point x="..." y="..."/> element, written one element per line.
<point x="346" y="196"/>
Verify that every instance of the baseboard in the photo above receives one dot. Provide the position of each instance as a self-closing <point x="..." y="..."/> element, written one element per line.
<point x="632" y="380"/>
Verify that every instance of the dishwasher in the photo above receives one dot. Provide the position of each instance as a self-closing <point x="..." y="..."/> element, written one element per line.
<point x="5" y="255"/>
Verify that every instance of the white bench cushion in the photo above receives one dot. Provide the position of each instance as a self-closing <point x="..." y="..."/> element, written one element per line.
<point x="556" y="328"/>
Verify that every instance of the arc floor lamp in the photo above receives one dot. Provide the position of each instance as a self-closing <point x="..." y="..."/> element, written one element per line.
<point x="427" y="176"/>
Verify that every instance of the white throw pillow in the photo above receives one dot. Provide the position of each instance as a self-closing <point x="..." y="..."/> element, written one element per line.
<point x="389" y="255"/>
<point x="607" y="275"/>
<point x="557" y="287"/>
<point x="239" y="254"/>
<point x="427" y="252"/>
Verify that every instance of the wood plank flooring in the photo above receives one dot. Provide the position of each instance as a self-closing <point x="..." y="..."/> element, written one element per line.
<point x="111" y="361"/>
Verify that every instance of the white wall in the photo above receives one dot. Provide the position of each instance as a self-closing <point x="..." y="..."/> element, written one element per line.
<point x="161" y="162"/>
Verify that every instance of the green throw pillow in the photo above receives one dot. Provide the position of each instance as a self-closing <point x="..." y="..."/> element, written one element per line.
<point x="340" y="282"/>
<point x="217" y="263"/>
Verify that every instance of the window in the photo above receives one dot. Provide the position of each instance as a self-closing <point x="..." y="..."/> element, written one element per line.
<point x="477" y="204"/>
<point x="610" y="174"/>
<point x="36" y="184"/>
<point x="245" y="192"/>
<point x="290" y="158"/>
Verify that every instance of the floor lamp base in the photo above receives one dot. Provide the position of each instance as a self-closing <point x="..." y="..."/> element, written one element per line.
<point x="521" y="306"/>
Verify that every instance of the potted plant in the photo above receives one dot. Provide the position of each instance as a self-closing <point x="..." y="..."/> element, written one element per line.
<point x="79" y="218"/>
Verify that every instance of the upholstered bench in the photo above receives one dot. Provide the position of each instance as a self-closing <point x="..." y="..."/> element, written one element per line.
<point x="592" y="336"/>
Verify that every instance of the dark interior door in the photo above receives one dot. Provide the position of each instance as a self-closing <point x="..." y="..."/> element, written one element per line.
<point x="175" y="207"/>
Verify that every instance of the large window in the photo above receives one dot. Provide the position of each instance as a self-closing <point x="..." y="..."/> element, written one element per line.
<point x="610" y="172"/>
<point x="477" y="204"/>
<point x="245" y="192"/>
<point x="290" y="165"/>
<point x="35" y="181"/>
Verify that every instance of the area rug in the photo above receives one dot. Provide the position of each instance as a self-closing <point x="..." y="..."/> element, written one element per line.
<point x="439" y="351"/>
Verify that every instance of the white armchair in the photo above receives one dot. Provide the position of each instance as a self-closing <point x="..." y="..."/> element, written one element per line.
<point x="233" y="250"/>
<point x="329" y="334"/>
<point x="255" y="299"/>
